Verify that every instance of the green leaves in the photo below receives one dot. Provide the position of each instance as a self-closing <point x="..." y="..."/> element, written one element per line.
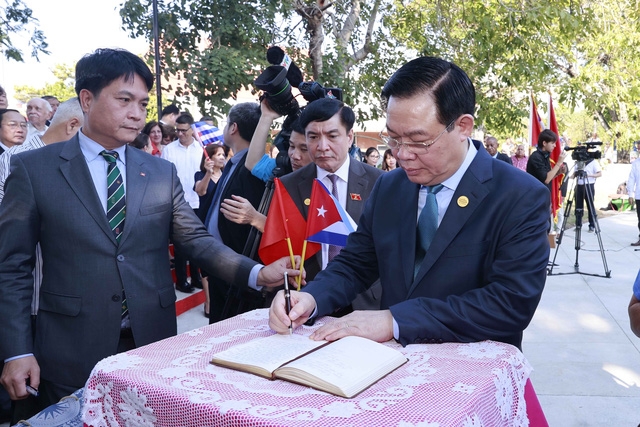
<point x="17" y="19"/>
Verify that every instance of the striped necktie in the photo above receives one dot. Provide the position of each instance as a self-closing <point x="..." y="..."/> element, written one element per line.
<point x="115" y="195"/>
<point x="427" y="225"/>
<point x="333" y="249"/>
<point x="116" y="207"/>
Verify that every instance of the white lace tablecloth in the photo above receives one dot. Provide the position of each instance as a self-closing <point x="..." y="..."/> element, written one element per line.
<point x="172" y="383"/>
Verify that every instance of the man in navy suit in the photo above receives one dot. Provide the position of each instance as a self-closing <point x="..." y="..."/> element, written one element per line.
<point x="328" y="125"/>
<point x="481" y="274"/>
<point x="58" y="196"/>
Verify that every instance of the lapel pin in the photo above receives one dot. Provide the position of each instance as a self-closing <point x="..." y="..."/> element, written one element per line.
<point x="143" y="174"/>
<point x="463" y="201"/>
<point x="307" y="202"/>
<point x="355" y="196"/>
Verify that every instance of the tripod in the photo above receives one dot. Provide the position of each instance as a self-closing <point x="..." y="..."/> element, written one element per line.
<point x="572" y="196"/>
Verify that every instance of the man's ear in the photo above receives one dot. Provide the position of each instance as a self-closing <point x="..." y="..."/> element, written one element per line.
<point x="465" y="122"/>
<point x="72" y="126"/>
<point x="86" y="98"/>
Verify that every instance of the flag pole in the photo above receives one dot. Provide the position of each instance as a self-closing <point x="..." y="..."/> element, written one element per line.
<point x="304" y="253"/>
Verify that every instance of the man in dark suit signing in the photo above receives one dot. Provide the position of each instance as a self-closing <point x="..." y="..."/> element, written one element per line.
<point x="458" y="240"/>
<point x="103" y="214"/>
<point x="328" y="125"/>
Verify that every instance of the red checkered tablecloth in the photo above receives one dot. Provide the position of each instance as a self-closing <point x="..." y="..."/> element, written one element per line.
<point x="172" y="383"/>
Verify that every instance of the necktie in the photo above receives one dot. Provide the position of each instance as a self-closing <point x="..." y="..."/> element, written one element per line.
<point x="115" y="194"/>
<point x="116" y="206"/>
<point x="333" y="249"/>
<point x="427" y="225"/>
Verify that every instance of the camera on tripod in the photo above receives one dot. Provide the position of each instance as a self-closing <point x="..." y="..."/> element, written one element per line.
<point x="585" y="152"/>
<point x="276" y="82"/>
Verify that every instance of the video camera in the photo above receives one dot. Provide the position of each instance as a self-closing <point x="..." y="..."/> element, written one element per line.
<point x="585" y="151"/>
<point x="276" y="82"/>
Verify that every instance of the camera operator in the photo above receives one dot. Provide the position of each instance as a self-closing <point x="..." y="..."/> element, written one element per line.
<point x="585" y="184"/>
<point x="238" y="209"/>
<point x="539" y="164"/>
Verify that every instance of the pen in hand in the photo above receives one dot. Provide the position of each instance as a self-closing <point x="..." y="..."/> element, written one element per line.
<point x="287" y="300"/>
<point x="32" y="391"/>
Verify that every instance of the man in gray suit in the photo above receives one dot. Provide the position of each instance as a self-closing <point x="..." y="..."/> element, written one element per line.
<point x="328" y="125"/>
<point x="106" y="284"/>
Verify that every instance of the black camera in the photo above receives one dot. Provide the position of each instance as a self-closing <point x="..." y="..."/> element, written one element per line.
<point x="585" y="151"/>
<point x="276" y="81"/>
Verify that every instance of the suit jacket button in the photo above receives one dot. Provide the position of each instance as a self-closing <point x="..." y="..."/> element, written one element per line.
<point x="120" y="257"/>
<point x="432" y="341"/>
<point x="115" y="298"/>
<point x="440" y="341"/>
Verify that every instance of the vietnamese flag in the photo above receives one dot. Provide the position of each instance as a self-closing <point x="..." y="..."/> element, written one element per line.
<point x="284" y="230"/>
<point x="557" y="181"/>
<point x="327" y="221"/>
<point x="536" y="124"/>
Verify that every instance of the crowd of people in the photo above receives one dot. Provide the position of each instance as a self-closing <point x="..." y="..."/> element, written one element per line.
<point x="451" y="243"/>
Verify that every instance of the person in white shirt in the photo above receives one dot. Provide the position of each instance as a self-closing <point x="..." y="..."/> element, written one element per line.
<point x="38" y="112"/>
<point x="185" y="153"/>
<point x="633" y="189"/>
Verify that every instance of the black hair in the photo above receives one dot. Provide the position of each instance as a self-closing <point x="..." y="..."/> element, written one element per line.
<point x="450" y="87"/>
<point x="170" y="109"/>
<point x="97" y="70"/>
<point x="323" y="109"/>
<point x="295" y="126"/>
<point x="246" y="115"/>
<point x="546" y="135"/>
<point x="141" y="141"/>
<point x="185" y="119"/>
<point x="4" y="111"/>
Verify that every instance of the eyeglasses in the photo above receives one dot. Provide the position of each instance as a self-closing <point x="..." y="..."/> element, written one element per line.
<point x="415" y="147"/>
<point x="182" y="130"/>
<point x="16" y="125"/>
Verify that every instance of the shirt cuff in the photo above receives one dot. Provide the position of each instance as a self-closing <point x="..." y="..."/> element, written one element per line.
<point x="396" y="330"/>
<point x="17" y="357"/>
<point x="253" y="277"/>
<point x="636" y="285"/>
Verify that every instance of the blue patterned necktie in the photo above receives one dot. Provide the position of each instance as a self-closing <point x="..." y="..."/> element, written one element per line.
<point x="333" y="249"/>
<point x="427" y="225"/>
<point x="116" y="206"/>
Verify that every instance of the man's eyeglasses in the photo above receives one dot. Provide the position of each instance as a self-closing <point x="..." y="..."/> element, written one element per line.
<point x="415" y="147"/>
<point x="16" y="125"/>
<point x="182" y="130"/>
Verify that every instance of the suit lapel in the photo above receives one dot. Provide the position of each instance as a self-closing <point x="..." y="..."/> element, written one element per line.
<point x="137" y="178"/>
<point x="76" y="172"/>
<point x="355" y="187"/>
<point x="458" y="213"/>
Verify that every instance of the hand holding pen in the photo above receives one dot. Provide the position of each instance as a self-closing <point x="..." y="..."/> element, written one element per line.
<point x="287" y="300"/>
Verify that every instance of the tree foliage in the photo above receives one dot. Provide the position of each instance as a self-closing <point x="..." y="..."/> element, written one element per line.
<point x="17" y="19"/>
<point x="585" y="53"/>
<point x="62" y="88"/>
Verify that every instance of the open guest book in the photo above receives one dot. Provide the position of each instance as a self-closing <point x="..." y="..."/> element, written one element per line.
<point x="344" y="367"/>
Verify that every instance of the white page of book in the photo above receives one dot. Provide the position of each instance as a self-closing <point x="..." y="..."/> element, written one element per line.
<point x="348" y="362"/>
<point x="271" y="352"/>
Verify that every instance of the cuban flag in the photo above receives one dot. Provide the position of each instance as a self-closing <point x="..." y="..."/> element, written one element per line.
<point x="327" y="221"/>
<point x="207" y="134"/>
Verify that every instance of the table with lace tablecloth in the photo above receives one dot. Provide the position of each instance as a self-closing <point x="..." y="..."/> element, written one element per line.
<point x="173" y="383"/>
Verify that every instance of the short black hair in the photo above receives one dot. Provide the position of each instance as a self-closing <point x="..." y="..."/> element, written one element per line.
<point x="185" y="119"/>
<point x="450" y="87"/>
<point x="170" y="109"/>
<point x="546" y="135"/>
<point x="48" y="97"/>
<point x="296" y="126"/>
<point x="141" y="141"/>
<point x="97" y="70"/>
<point x="246" y="115"/>
<point x="323" y="109"/>
<point x="4" y="111"/>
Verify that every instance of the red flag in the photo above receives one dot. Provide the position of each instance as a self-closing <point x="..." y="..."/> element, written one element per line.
<point x="536" y="124"/>
<point x="557" y="181"/>
<point x="285" y="224"/>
